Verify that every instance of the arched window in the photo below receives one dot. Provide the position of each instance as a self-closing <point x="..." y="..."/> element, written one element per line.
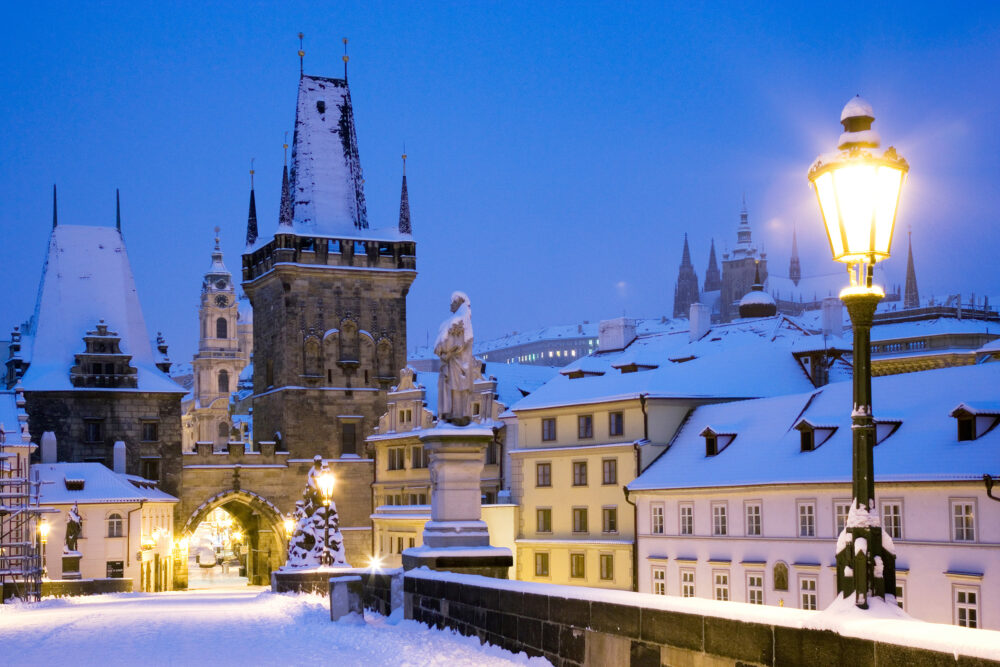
<point x="114" y="525"/>
<point x="223" y="382"/>
<point x="221" y="328"/>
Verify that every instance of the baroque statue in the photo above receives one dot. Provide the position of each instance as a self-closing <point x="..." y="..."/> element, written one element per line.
<point x="459" y="369"/>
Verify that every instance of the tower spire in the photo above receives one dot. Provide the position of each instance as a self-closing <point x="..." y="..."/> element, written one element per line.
<point x="345" y="58"/>
<point x="55" y="216"/>
<point x="404" y="204"/>
<point x="118" y="211"/>
<point x="302" y="54"/>
<point x="713" y="280"/>
<point x="794" y="267"/>
<point x="686" y="256"/>
<point x="686" y="289"/>
<point x="285" y="209"/>
<point x="251" y="216"/>
<point x="911" y="298"/>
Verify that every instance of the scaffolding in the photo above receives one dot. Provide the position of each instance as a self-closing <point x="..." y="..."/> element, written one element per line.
<point x="21" y="561"/>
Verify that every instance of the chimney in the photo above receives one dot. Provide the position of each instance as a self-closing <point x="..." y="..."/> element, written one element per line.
<point x="615" y="334"/>
<point x="49" y="447"/>
<point x="833" y="316"/>
<point x="700" y="319"/>
<point x="119" y="457"/>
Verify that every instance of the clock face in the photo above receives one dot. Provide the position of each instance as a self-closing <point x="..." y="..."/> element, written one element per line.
<point x="221" y="301"/>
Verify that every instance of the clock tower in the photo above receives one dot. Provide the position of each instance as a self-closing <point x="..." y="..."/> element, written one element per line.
<point x="220" y="359"/>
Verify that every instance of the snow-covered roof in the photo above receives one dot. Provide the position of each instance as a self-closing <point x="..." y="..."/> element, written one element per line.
<point x="938" y="326"/>
<point x="857" y="106"/>
<point x="767" y="449"/>
<point x="742" y="359"/>
<point x="10" y="414"/>
<point x="573" y="332"/>
<point x="755" y="298"/>
<point x="87" y="278"/>
<point x="810" y="288"/>
<point x="100" y="485"/>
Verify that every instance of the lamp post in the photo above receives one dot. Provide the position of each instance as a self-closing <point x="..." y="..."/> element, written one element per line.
<point x="858" y="191"/>
<point x="43" y="534"/>
<point x="326" y="490"/>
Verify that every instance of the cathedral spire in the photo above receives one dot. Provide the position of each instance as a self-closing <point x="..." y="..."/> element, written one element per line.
<point x="285" y="210"/>
<point x="404" y="205"/>
<point x="118" y="211"/>
<point x="686" y="289"/>
<point x="252" y="215"/>
<point x="713" y="281"/>
<point x="794" y="267"/>
<point x="55" y="216"/>
<point x="686" y="255"/>
<point x="911" y="298"/>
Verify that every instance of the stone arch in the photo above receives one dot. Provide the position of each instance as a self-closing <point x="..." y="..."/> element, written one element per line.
<point x="262" y="523"/>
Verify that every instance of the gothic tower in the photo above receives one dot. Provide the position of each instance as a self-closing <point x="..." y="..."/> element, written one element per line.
<point x="739" y="269"/>
<point x="686" y="289"/>
<point x="794" y="268"/>
<point x="911" y="297"/>
<point x="713" y="281"/>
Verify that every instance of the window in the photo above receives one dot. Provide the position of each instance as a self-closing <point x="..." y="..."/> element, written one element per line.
<point x="616" y="423"/>
<point x="549" y="429"/>
<point x="93" y="430"/>
<point x="607" y="567"/>
<point x="755" y="587"/>
<point x="579" y="473"/>
<point x="543" y="517"/>
<point x="841" y="508"/>
<point x="966" y="428"/>
<point x="579" y="519"/>
<point x="686" y="514"/>
<point x="349" y="438"/>
<point x="752" y="519"/>
<point x="223" y="381"/>
<point x="150" y="431"/>
<point x="417" y="458"/>
<point x="963" y="514"/>
<point x="585" y="427"/>
<point x="892" y="519"/>
<point x="115" y="525"/>
<point x="656" y="516"/>
<point x="116" y="569"/>
<point x="806" y="440"/>
<point x="901" y="594"/>
<point x="780" y="576"/>
<point x="720" y="524"/>
<point x="807" y="519"/>
<point x="721" y="587"/>
<point x="577" y="566"/>
<point x="221" y="328"/>
<point x="609" y="471"/>
<point x="687" y="583"/>
<point x="396" y="458"/>
<point x="807" y="592"/>
<point x="492" y="453"/>
<point x="967" y="606"/>
<point x="711" y="445"/>
<point x="543" y="474"/>
<point x="541" y="564"/>
<point x="609" y="519"/>
<point x="659" y="580"/>
<point x="151" y="469"/>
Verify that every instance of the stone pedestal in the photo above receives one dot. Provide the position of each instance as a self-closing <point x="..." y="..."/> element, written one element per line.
<point x="346" y="595"/>
<point x="71" y="564"/>
<point x="456" y="538"/>
<point x="306" y="580"/>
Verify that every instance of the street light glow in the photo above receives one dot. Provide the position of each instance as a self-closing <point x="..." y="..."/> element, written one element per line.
<point x="326" y="485"/>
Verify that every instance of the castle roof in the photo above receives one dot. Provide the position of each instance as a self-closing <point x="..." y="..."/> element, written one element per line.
<point x="87" y="278"/>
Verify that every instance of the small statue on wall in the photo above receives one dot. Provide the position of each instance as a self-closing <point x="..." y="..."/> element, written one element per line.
<point x="459" y="369"/>
<point x="74" y="528"/>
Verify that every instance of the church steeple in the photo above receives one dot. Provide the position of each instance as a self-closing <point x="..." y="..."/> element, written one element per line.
<point x="686" y="290"/>
<point x="55" y="215"/>
<point x="743" y="231"/>
<point x="911" y="298"/>
<point x="252" y="214"/>
<point x="713" y="281"/>
<point x="404" y="205"/>
<point x="118" y="211"/>
<point x="794" y="268"/>
<point x="285" y="210"/>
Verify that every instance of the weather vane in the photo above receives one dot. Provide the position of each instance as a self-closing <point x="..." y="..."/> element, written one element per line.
<point x="302" y="53"/>
<point x="345" y="59"/>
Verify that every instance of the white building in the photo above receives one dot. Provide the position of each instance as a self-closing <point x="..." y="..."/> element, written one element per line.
<point x="747" y="501"/>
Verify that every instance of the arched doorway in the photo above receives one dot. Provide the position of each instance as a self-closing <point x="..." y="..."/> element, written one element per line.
<point x="248" y="531"/>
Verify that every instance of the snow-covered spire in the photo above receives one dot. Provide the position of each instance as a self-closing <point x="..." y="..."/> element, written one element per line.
<point x="218" y="269"/>
<point x="55" y="216"/>
<point x="285" y="208"/>
<point x="252" y="214"/>
<point x="713" y="280"/>
<point x="686" y="254"/>
<point x="404" y="205"/>
<point x="794" y="268"/>
<point x="911" y="298"/>
<point x="686" y="289"/>
<point x="118" y="211"/>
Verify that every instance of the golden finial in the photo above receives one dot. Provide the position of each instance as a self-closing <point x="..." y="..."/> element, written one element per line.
<point x="404" y="159"/>
<point x="217" y="230"/>
<point x="302" y="53"/>
<point x="345" y="58"/>
<point x="251" y="173"/>
<point x="285" y="146"/>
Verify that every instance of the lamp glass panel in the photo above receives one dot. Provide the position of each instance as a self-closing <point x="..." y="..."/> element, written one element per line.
<point x="828" y="203"/>
<point x="855" y="185"/>
<point x="889" y="182"/>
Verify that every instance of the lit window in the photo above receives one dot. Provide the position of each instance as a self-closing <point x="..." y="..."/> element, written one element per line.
<point x="659" y="581"/>
<point x="753" y="517"/>
<point x="755" y="587"/>
<point x="967" y="606"/>
<point x="687" y="583"/>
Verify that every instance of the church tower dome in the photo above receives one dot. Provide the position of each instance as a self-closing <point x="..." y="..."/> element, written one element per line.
<point x="757" y="302"/>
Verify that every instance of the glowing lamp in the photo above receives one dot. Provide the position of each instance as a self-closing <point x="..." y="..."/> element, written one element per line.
<point x="289" y="525"/>
<point x="858" y="191"/>
<point x="43" y="530"/>
<point x="325" y="482"/>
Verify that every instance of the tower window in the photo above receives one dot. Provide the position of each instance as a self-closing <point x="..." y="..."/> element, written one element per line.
<point x="223" y="382"/>
<point x="321" y="106"/>
<point x="221" y="328"/>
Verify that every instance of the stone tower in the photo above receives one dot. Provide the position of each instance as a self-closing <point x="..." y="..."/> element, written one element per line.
<point x="794" y="268"/>
<point x="220" y="358"/>
<point x="739" y="269"/>
<point x="686" y="289"/>
<point x="713" y="281"/>
<point x="911" y="297"/>
<point x="328" y="292"/>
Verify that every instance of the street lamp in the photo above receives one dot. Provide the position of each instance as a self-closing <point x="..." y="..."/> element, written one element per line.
<point x="858" y="191"/>
<point x="43" y="533"/>
<point x="289" y="524"/>
<point x="325" y="482"/>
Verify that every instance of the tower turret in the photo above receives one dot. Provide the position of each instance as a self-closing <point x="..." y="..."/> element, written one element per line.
<point x="404" y="205"/>
<point x="911" y="298"/>
<point x="794" y="268"/>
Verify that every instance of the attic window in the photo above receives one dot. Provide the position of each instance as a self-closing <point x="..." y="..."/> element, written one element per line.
<point x="74" y="484"/>
<point x="976" y="420"/>
<point x="811" y="436"/>
<point x="807" y="440"/>
<point x="681" y="360"/>
<point x="321" y="106"/>
<point x="716" y="442"/>
<point x="966" y="428"/>
<point x="711" y="445"/>
<point x="885" y="428"/>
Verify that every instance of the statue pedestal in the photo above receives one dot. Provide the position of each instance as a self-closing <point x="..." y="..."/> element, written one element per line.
<point x="71" y="564"/>
<point x="456" y="538"/>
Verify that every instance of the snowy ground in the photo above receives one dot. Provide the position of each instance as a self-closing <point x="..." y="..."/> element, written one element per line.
<point x="236" y="626"/>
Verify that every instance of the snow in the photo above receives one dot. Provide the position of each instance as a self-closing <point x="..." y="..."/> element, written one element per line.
<point x="755" y="298"/>
<point x="86" y="278"/>
<point x="101" y="485"/>
<point x="222" y="627"/>
<point x="857" y="106"/>
<point x="457" y="552"/>
<point x="767" y="448"/>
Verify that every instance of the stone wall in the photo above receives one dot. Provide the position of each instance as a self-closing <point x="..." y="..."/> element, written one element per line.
<point x="568" y="629"/>
<point x="70" y="588"/>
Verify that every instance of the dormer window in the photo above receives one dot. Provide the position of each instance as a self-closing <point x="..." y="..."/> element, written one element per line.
<point x="811" y="435"/>
<point x="976" y="419"/>
<point x="966" y="428"/>
<point x="715" y="442"/>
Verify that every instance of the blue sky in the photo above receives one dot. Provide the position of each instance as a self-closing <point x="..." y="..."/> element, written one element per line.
<point x="557" y="151"/>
